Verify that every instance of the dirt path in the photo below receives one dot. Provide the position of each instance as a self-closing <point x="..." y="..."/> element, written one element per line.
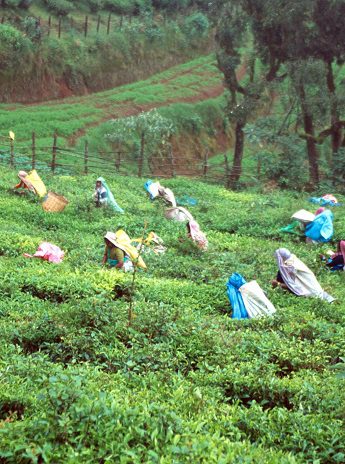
<point x="126" y="109"/>
<point x="130" y="109"/>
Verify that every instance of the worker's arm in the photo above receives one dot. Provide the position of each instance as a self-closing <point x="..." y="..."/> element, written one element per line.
<point x="105" y="256"/>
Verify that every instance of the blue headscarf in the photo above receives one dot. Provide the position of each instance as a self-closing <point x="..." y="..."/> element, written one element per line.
<point x="238" y="309"/>
<point x="147" y="188"/>
<point x="110" y="196"/>
<point x="321" y="229"/>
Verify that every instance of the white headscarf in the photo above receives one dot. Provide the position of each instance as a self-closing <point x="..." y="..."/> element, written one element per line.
<point x="298" y="277"/>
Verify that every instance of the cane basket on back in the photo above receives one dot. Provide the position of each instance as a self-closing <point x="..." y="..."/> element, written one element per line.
<point x="54" y="202"/>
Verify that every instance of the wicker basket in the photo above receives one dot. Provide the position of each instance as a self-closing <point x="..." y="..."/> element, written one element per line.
<point x="54" y="202"/>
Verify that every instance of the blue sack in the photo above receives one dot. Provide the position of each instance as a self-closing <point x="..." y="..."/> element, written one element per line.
<point x="186" y="201"/>
<point x="323" y="202"/>
<point x="238" y="309"/>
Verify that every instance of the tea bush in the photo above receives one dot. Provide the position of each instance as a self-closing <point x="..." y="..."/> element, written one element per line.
<point x="184" y="382"/>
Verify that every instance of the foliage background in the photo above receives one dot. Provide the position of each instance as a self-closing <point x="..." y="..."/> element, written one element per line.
<point x="185" y="383"/>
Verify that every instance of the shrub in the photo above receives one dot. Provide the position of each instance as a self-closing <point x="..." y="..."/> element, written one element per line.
<point x="12" y="3"/>
<point x="120" y="7"/>
<point x="95" y="5"/>
<point x="14" y="47"/>
<point x="59" y="7"/>
<point x="196" y="25"/>
<point x="25" y="4"/>
<point x="32" y="28"/>
<point x="171" y="5"/>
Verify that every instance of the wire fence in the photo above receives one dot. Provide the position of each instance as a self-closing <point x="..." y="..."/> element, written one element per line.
<point x="56" y="26"/>
<point x="73" y="161"/>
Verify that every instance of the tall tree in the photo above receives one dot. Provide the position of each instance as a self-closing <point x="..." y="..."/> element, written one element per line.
<point x="246" y="86"/>
<point x="300" y="31"/>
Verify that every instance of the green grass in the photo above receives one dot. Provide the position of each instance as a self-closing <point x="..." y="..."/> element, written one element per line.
<point x="73" y="114"/>
<point x="185" y="383"/>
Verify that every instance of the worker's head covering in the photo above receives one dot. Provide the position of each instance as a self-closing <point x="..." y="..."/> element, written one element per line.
<point x="152" y="188"/>
<point x="110" y="196"/>
<point x="121" y="240"/>
<point x="197" y="235"/>
<point x="283" y="253"/>
<point x="298" y="277"/>
<point x="233" y="285"/>
<point x="331" y="198"/>
<point x="24" y="177"/>
<point x="287" y="268"/>
<point x="168" y="195"/>
<point x="22" y="174"/>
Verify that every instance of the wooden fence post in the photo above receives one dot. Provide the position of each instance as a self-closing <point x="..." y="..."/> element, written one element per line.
<point x="33" y="148"/>
<point x="59" y="28"/>
<point x="11" y="152"/>
<point x="108" y="25"/>
<point x="98" y="23"/>
<point x="86" y="25"/>
<point x="172" y="161"/>
<point x="121" y="21"/>
<point x="259" y="167"/>
<point x="118" y="161"/>
<point x="49" y="25"/>
<point x="227" y="171"/>
<point x="54" y="153"/>
<point x="86" y="156"/>
<point x="205" y="165"/>
<point x="141" y="156"/>
<point x="2" y="19"/>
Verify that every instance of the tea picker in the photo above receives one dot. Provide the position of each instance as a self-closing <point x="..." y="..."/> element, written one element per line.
<point x="296" y="277"/>
<point x="119" y="253"/>
<point x="247" y="299"/>
<point x="104" y="197"/>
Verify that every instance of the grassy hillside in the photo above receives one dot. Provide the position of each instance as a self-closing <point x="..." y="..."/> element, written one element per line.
<point x="184" y="383"/>
<point x="73" y="116"/>
<point x="190" y="95"/>
<point x="45" y="57"/>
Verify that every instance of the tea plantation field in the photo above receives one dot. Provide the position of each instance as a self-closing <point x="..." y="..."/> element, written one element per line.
<point x="185" y="383"/>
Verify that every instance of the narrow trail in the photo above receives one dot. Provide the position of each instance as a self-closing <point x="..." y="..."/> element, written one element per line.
<point x="125" y="109"/>
<point x="130" y="109"/>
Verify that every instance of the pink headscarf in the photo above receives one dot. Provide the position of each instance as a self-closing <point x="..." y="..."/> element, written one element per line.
<point x="197" y="236"/>
<point x="48" y="252"/>
<point x="330" y="197"/>
<point x="320" y="210"/>
<point x="23" y="177"/>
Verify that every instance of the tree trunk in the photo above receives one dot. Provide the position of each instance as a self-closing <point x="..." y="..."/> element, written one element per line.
<point x="313" y="156"/>
<point x="336" y="131"/>
<point x="238" y="155"/>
